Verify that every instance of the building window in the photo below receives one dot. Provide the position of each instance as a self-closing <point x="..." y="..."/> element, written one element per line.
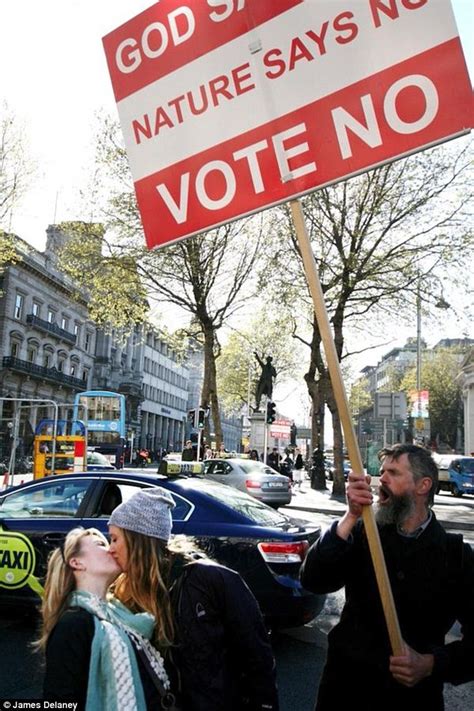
<point x="73" y="370"/>
<point x="87" y="342"/>
<point x="31" y="354"/>
<point x="51" y="316"/>
<point x="76" y="330"/>
<point x="85" y="375"/>
<point x="18" y="306"/>
<point x="47" y="358"/>
<point x="61" y="362"/>
<point x="15" y="349"/>
<point x="64" y="323"/>
<point x="36" y="308"/>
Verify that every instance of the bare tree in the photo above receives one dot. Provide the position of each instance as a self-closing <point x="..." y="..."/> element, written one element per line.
<point x="374" y="237"/>
<point x="204" y="275"/>
<point x="16" y="167"/>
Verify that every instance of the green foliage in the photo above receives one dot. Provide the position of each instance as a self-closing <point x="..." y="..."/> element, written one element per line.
<point x="359" y="398"/>
<point x="8" y="252"/>
<point x="117" y="298"/>
<point x="268" y="333"/>
<point x="439" y="375"/>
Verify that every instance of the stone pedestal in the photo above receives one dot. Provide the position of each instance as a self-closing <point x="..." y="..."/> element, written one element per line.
<point x="257" y="431"/>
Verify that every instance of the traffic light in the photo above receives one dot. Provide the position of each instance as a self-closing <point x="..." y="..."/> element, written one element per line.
<point x="201" y="417"/>
<point x="271" y="414"/>
<point x="293" y="435"/>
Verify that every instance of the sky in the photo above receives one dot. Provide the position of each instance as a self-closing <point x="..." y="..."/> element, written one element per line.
<point x="54" y="78"/>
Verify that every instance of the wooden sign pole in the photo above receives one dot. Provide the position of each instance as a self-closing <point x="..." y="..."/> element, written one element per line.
<point x="371" y="529"/>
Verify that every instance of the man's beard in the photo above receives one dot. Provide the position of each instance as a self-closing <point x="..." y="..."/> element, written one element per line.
<point x="396" y="509"/>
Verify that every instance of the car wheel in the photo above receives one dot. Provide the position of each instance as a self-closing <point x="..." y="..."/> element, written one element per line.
<point x="456" y="491"/>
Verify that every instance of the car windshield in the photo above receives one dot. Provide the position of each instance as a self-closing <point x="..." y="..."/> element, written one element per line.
<point x="467" y="466"/>
<point x="61" y="498"/>
<point x="252" y="467"/>
<point x="97" y="458"/>
<point x="259" y="513"/>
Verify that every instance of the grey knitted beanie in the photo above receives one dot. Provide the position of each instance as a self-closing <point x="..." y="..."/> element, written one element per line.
<point x="148" y="512"/>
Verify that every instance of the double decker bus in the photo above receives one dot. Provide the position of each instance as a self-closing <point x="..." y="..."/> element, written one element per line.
<point x="103" y="413"/>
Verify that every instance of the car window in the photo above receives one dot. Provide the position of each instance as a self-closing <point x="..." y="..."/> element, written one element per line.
<point x="467" y="466"/>
<point x="252" y="467"/>
<point x="117" y="492"/>
<point x="97" y="458"/>
<point x="247" y="506"/>
<point x="211" y="467"/>
<point x="50" y="499"/>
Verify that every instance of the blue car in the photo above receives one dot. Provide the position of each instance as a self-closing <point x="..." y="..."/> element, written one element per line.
<point x="265" y="546"/>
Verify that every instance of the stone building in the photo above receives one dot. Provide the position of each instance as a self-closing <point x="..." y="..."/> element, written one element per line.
<point x="50" y="350"/>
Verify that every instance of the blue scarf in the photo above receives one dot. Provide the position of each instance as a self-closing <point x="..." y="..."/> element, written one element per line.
<point x="114" y="680"/>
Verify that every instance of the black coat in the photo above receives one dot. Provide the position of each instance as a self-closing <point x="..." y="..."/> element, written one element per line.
<point x="432" y="579"/>
<point x="223" y="652"/>
<point x="68" y="654"/>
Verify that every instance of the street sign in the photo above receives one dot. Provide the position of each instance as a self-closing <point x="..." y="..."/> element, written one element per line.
<point x="230" y="106"/>
<point x="280" y="429"/>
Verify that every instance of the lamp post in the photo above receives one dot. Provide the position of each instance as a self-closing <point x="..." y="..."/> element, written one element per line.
<point x="441" y="303"/>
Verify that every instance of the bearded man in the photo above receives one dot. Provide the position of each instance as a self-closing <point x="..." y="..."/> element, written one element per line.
<point x="432" y="577"/>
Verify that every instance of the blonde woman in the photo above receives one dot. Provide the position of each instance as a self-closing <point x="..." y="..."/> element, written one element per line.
<point x="206" y="615"/>
<point x="97" y="652"/>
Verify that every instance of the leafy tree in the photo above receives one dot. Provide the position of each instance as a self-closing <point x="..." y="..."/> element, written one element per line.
<point x="374" y="237"/>
<point x="8" y="252"/>
<point x="359" y="398"/>
<point x="440" y="369"/>
<point x="204" y="275"/>
<point x="267" y="333"/>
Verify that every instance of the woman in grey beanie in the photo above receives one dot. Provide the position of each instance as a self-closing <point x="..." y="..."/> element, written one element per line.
<point x="207" y="620"/>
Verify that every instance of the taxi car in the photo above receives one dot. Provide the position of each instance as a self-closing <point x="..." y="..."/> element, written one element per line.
<point x="265" y="546"/>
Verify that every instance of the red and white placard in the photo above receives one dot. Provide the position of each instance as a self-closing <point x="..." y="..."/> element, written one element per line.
<point x="280" y="429"/>
<point x="230" y="106"/>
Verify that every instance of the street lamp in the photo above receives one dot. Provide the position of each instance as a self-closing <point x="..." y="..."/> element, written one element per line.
<point x="441" y="303"/>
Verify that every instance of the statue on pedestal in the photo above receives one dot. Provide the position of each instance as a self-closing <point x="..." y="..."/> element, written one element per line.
<point x="265" y="381"/>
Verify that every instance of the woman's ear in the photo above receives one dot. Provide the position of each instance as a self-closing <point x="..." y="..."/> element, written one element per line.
<point x="76" y="564"/>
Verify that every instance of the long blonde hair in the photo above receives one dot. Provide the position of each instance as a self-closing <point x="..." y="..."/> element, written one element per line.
<point x="145" y="584"/>
<point x="60" y="581"/>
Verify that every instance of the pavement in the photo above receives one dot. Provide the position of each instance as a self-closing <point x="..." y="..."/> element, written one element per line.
<point x="453" y="513"/>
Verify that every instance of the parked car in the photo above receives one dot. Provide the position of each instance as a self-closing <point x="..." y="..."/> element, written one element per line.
<point x="443" y="462"/>
<point x="255" y="478"/>
<point x="98" y="462"/>
<point x="330" y="468"/>
<point x="458" y="477"/>
<point x="265" y="546"/>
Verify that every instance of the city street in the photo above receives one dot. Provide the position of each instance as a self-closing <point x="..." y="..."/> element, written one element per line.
<point x="300" y="652"/>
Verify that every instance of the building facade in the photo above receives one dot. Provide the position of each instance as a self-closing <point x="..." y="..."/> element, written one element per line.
<point x="50" y="350"/>
<point x="47" y="342"/>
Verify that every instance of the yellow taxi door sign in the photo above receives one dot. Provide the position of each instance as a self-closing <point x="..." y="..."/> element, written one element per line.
<point x="17" y="562"/>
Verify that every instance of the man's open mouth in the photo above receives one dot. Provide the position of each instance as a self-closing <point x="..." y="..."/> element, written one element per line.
<point x="384" y="494"/>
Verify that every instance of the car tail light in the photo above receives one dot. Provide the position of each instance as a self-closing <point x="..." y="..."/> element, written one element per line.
<point x="252" y="484"/>
<point x="283" y="551"/>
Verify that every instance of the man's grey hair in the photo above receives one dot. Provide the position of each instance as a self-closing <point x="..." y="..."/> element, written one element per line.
<point x="421" y="464"/>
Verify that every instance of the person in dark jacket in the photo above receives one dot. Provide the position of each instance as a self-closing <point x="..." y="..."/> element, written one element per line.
<point x="432" y="579"/>
<point x="207" y="618"/>
<point x="98" y="654"/>
<point x="188" y="454"/>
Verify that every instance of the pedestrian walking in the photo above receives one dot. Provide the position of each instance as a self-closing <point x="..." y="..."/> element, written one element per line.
<point x="273" y="459"/>
<point x="206" y="615"/>
<point x="187" y="455"/>
<point x="298" y="469"/>
<point x="432" y="579"/>
<point x="98" y="653"/>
